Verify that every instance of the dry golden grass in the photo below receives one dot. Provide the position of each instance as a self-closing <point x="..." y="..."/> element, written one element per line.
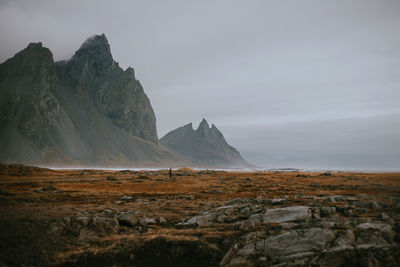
<point x="23" y="199"/>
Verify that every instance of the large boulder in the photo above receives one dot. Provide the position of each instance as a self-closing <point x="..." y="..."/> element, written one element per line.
<point x="287" y="214"/>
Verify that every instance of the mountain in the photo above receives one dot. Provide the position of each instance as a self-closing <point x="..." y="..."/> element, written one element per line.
<point x="205" y="146"/>
<point x="83" y="111"/>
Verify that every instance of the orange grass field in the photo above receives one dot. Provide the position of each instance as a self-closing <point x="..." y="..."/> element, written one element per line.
<point x="26" y="205"/>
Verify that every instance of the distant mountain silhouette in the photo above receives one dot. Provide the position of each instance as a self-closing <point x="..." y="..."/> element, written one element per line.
<point x="205" y="146"/>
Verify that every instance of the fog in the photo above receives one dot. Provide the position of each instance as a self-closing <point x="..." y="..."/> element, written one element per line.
<point x="307" y="84"/>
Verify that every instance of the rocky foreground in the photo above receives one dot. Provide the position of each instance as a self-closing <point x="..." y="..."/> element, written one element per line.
<point x="198" y="218"/>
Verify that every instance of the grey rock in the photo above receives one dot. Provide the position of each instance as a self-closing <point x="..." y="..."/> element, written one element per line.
<point x="199" y="220"/>
<point x="83" y="220"/>
<point x="255" y="219"/>
<point x="126" y="197"/>
<point x="246" y="250"/>
<point x="128" y="219"/>
<point x="331" y="199"/>
<point x="387" y="219"/>
<point x="161" y="220"/>
<point x="366" y="239"/>
<point x="278" y="201"/>
<point x="104" y="225"/>
<point x="326" y="211"/>
<point x="351" y="212"/>
<point x="287" y="214"/>
<point x="385" y="228"/>
<point x="293" y="242"/>
<point x="49" y="188"/>
<point x="288" y="225"/>
<point x="346" y="239"/>
<point x="316" y="214"/>
<point x="146" y="221"/>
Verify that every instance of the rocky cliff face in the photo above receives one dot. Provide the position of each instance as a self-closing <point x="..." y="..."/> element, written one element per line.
<point x="35" y="108"/>
<point x="205" y="146"/>
<point x="93" y="74"/>
<point x="86" y="110"/>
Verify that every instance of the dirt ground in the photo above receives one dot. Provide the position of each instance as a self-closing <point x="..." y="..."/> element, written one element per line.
<point x="36" y="202"/>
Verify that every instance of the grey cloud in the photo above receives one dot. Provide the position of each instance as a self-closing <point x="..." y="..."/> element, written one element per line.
<point x="271" y="74"/>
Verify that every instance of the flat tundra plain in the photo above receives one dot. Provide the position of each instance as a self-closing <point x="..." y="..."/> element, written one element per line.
<point x="197" y="218"/>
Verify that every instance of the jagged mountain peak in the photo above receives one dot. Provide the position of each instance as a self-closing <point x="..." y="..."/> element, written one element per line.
<point x="203" y="128"/>
<point x="204" y="123"/>
<point x="35" y="49"/>
<point x="205" y="146"/>
<point x="96" y="52"/>
<point x="131" y="72"/>
<point x="188" y="126"/>
<point x="31" y="61"/>
<point x="34" y="45"/>
<point x="95" y="40"/>
<point x="115" y="93"/>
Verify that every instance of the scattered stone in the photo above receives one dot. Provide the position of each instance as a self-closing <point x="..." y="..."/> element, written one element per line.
<point x="146" y="221"/>
<point x="49" y="188"/>
<point x="352" y="212"/>
<point x="128" y="219"/>
<point x="346" y="239"/>
<point x="278" y="201"/>
<point x="387" y="219"/>
<point x="326" y="211"/>
<point x="374" y="205"/>
<point x="161" y="220"/>
<point x="104" y="225"/>
<point x="331" y="199"/>
<point x="126" y="197"/>
<point x="325" y="174"/>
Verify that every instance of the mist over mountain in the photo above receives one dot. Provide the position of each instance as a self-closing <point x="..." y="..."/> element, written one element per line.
<point x="84" y="111"/>
<point x="87" y="111"/>
<point x="206" y="146"/>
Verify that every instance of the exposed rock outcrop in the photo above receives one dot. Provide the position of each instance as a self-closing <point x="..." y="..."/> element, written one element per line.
<point x="298" y="236"/>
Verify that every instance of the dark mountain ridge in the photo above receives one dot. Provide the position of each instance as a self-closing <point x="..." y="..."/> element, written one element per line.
<point x="84" y="111"/>
<point x="87" y="111"/>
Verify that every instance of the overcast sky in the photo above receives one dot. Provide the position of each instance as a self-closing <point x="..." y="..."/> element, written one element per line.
<point x="309" y="84"/>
